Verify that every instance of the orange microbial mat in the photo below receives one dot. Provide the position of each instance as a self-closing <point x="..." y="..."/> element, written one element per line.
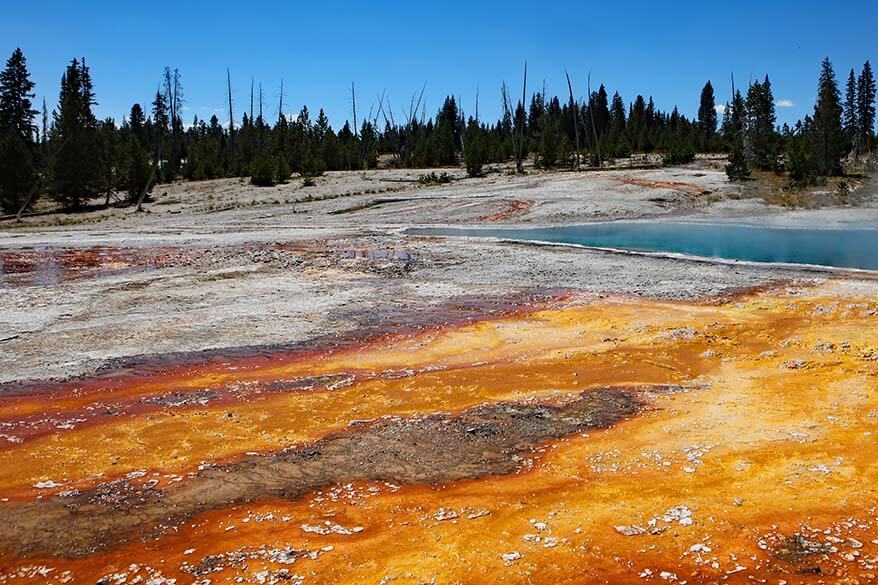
<point x="584" y="439"/>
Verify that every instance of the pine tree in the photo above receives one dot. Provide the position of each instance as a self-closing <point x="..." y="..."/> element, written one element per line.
<point x="707" y="118"/>
<point x="850" y="124"/>
<point x="76" y="171"/>
<point x="474" y="154"/>
<point x="637" y="124"/>
<point x="761" y="140"/>
<point x="16" y="171"/>
<point x="553" y="148"/>
<point x="737" y="168"/>
<point x="263" y="170"/>
<point x="112" y="156"/>
<point x="17" y="149"/>
<point x="137" y="124"/>
<point x="160" y="123"/>
<point x="801" y="165"/>
<point x="601" y="109"/>
<point x="16" y="92"/>
<point x="617" y="146"/>
<point x="447" y="136"/>
<point x="321" y="126"/>
<point x="282" y="169"/>
<point x="828" y="139"/>
<point x="866" y="107"/>
<point x="137" y="173"/>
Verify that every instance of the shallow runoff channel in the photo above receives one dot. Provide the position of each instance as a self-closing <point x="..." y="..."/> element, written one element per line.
<point x="839" y="247"/>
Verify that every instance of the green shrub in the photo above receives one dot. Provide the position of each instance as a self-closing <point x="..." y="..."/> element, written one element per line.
<point x="282" y="170"/>
<point x="434" y="179"/>
<point x="263" y="171"/>
<point x="679" y="155"/>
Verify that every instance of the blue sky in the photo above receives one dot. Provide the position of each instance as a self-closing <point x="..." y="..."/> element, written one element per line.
<point x="661" y="48"/>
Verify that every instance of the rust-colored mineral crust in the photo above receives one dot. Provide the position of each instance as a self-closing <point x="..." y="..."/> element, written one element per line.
<point x="588" y="440"/>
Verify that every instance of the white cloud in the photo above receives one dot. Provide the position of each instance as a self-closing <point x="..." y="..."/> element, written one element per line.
<point x="720" y="108"/>
<point x="784" y="103"/>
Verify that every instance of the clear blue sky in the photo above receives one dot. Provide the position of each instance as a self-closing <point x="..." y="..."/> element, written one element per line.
<point x="661" y="48"/>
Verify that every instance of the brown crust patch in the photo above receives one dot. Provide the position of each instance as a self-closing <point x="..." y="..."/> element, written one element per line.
<point x="515" y="207"/>
<point x="492" y="439"/>
<point x="687" y="188"/>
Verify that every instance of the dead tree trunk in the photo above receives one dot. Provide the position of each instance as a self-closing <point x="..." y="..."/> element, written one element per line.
<point x="519" y="160"/>
<point x="231" y="119"/>
<point x="594" y="131"/>
<point x="152" y="172"/>
<point x="477" y="104"/>
<point x="354" y="107"/>
<point x="27" y="202"/>
<point x="47" y="164"/>
<point x="280" y="107"/>
<point x="575" y="117"/>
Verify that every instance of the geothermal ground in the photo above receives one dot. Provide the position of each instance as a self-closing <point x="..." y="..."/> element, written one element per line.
<point x="279" y="386"/>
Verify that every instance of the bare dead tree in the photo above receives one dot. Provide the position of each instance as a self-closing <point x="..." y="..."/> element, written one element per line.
<point x="252" y="94"/>
<point x="582" y="120"/>
<point x="461" y="120"/>
<point x="381" y="107"/>
<point x="47" y="164"/>
<point x="168" y="90"/>
<point x="354" y="108"/>
<point x="178" y="93"/>
<point x="575" y="117"/>
<point x="477" y="104"/>
<point x="406" y="132"/>
<point x="413" y="112"/>
<point x="508" y="114"/>
<point x="383" y="111"/>
<point x="231" y="117"/>
<point x="174" y="98"/>
<point x="280" y="107"/>
<point x="390" y="122"/>
<point x="390" y="111"/>
<point x="374" y="122"/>
<point x="151" y="178"/>
<point x="519" y="154"/>
<point x="27" y="202"/>
<point x="252" y="85"/>
<point x="45" y="136"/>
<point x="170" y="97"/>
<point x="593" y="128"/>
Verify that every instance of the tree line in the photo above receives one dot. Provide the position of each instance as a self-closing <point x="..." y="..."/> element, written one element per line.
<point x="72" y="157"/>
<point x="814" y="147"/>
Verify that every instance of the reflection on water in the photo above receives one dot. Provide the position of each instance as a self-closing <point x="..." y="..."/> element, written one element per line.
<point x="370" y="254"/>
<point x="844" y="247"/>
<point x="47" y="266"/>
